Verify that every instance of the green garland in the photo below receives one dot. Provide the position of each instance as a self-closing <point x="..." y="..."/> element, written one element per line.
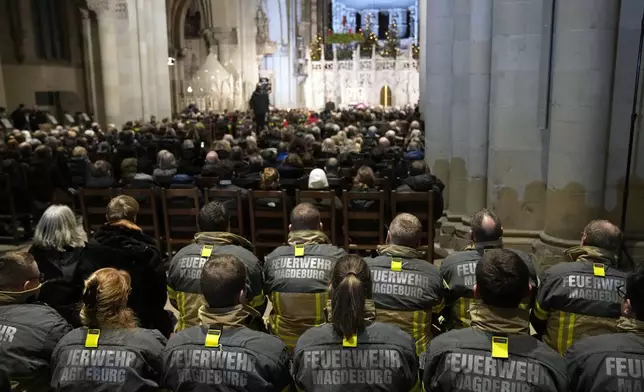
<point x="344" y="38"/>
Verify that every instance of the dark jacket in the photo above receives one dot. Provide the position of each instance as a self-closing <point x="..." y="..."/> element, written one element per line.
<point x="167" y="178"/>
<point x="241" y="360"/>
<point x="259" y="102"/>
<point x="124" y="246"/>
<point x="458" y="276"/>
<point x="611" y="362"/>
<point x="578" y="298"/>
<point x="425" y="183"/>
<point x="408" y="293"/>
<point x="104" y="182"/>
<point x="184" y="274"/>
<point x="78" y="170"/>
<point x="363" y="205"/>
<point x="298" y="285"/>
<point x="125" y="360"/>
<point x="461" y="360"/>
<point x="64" y="275"/>
<point x="321" y="363"/>
<point x="28" y="335"/>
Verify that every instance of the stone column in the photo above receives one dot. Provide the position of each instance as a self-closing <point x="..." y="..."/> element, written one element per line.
<point x="108" y="13"/>
<point x="90" y="70"/>
<point x="423" y="59"/>
<point x="439" y="84"/>
<point x="160" y="61"/>
<point x="144" y="48"/>
<point x="459" y="111"/>
<point x="516" y="152"/>
<point x="585" y="41"/>
<point x="480" y="58"/>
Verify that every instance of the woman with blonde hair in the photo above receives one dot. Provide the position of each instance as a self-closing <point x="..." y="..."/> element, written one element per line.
<point x="59" y="240"/>
<point x="109" y="353"/>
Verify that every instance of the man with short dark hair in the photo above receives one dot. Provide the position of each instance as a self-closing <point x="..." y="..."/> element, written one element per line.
<point x="579" y="297"/>
<point x="458" y="269"/>
<point x="185" y="269"/>
<point x="122" y="244"/>
<point x="28" y="331"/>
<point x="422" y="180"/>
<point x="248" y="360"/>
<point x="499" y="338"/>
<point x="297" y="276"/>
<point x="599" y="363"/>
<point x="411" y="305"/>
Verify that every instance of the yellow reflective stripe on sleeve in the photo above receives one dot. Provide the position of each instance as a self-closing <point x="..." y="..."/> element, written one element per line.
<point x="540" y="313"/>
<point x="278" y="311"/>
<point x="172" y="295"/>
<point x="462" y="308"/>
<point x="257" y="300"/>
<point x="181" y="305"/>
<point x="318" y="309"/>
<point x="438" y="308"/>
<point x="445" y="284"/>
<point x="571" y="330"/>
<point x="418" y="387"/>
<point x="560" y="331"/>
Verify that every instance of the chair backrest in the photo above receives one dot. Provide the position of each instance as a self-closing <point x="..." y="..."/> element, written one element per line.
<point x="236" y="214"/>
<point x="277" y="219"/>
<point x="148" y="217"/>
<point x="421" y="205"/>
<point x="366" y="236"/>
<point x="93" y="204"/>
<point x="205" y="182"/>
<point x="327" y="213"/>
<point x="180" y="211"/>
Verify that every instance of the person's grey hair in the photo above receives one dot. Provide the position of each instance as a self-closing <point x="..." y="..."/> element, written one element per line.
<point x="188" y="144"/>
<point x="328" y="145"/>
<point x="166" y="160"/>
<point x="59" y="229"/>
<point x="405" y="230"/>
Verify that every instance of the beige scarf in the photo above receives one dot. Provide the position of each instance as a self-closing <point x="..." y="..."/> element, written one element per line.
<point x="499" y="320"/>
<point x="306" y="237"/>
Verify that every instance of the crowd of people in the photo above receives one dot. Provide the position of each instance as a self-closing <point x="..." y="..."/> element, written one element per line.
<point x="88" y="311"/>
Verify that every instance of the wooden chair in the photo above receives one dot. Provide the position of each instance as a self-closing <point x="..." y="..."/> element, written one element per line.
<point x="180" y="211"/>
<point x="148" y="216"/>
<point x="229" y="195"/>
<point x="421" y="205"/>
<point x="369" y="239"/>
<point x="205" y="182"/>
<point x="330" y="215"/>
<point x="8" y="213"/>
<point x="93" y="203"/>
<point x="257" y="233"/>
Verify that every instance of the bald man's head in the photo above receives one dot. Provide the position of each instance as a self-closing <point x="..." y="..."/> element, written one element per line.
<point x="602" y="234"/>
<point x="384" y="142"/>
<point x="212" y="157"/>
<point x="486" y="226"/>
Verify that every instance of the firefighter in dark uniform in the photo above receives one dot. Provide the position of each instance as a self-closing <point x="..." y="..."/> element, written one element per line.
<point x="407" y="289"/>
<point x="458" y="270"/>
<point x="497" y="352"/>
<point x="296" y="276"/>
<point x="222" y="354"/>
<point x="109" y="353"/>
<point x="28" y="331"/>
<point x="579" y="297"/>
<point x="353" y="352"/>
<point x="184" y="273"/>
<point x="613" y="362"/>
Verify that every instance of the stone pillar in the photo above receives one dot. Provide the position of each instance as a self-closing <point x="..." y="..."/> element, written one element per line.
<point x="423" y="59"/>
<point x="459" y="111"/>
<point x="480" y="58"/>
<point x="585" y="41"/>
<point x="144" y="47"/>
<point x="439" y="83"/>
<point x="90" y="69"/>
<point x="160" y="61"/>
<point x="108" y="13"/>
<point x="516" y="153"/>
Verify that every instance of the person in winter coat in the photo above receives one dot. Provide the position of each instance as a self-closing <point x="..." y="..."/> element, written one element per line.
<point x="109" y="353"/>
<point x="121" y="244"/>
<point x="421" y="180"/>
<point x="79" y="166"/>
<point x="100" y="176"/>
<point x="58" y="242"/>
<point x="350" y="335"/>
<point x="28" y="331"/>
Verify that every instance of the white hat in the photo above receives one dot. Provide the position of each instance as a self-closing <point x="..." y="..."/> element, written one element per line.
<point x="317" y="179"/>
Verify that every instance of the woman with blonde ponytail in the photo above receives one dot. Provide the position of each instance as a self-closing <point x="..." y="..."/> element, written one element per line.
<point x="109" y="353"/>
<point x="331" y="357"/>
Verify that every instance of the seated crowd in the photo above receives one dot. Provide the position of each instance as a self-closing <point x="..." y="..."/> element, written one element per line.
<point x="88" y="311"/>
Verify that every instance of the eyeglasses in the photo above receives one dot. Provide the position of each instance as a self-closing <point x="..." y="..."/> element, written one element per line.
<point x="40" y="277"/>
<point x="621" y="291"/>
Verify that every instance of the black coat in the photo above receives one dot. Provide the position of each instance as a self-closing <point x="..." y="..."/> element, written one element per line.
<point x="424" y="183"/>
<point x="137" y="253"/>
